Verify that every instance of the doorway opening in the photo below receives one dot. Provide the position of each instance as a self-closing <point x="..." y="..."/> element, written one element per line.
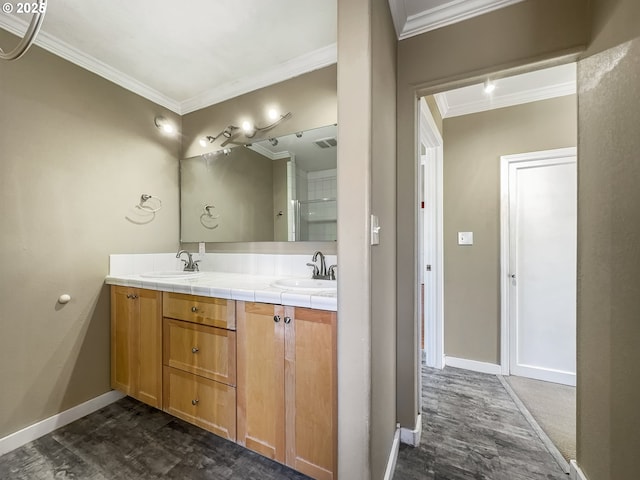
<point x="469" y="234"/>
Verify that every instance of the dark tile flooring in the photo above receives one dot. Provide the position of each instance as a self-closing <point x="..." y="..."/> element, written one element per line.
<point x="128" y="440"/>
<point x="472" y="429"/>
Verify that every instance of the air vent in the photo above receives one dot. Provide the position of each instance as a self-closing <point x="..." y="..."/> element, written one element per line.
<point x="326" y="142"/>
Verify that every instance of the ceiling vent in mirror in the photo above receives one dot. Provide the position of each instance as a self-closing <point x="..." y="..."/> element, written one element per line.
<point x="326" y="142"/>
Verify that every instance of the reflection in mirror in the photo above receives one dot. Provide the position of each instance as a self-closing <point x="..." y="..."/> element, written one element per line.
<point x="277" y="189"/>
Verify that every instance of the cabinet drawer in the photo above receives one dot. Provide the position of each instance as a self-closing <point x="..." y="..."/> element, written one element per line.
<point x="206" y="351"/>
<point x="216" y="312"/>
<point x="203" y="402"/>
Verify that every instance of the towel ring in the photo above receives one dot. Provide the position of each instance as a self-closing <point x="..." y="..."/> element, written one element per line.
<point x="144" y="198"/>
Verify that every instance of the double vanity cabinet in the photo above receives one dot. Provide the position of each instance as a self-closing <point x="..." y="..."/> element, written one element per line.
<point x="261" y="375"/>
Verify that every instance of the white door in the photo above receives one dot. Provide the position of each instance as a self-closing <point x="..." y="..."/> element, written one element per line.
<point x="542" y="198"/>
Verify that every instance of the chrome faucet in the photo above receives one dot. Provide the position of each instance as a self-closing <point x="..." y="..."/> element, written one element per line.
<point x="321" y="272"/>
<point x="189" y="265"/>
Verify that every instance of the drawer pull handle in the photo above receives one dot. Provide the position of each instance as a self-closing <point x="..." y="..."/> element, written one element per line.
<point x="194" y="309"/>
<point x="276" y="318"/>
<point x="195" y="402"/>
<point x="195" y="350"/>
<point x="287" y="320"/>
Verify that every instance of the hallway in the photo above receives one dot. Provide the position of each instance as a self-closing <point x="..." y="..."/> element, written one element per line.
<point x="472" y="429"/>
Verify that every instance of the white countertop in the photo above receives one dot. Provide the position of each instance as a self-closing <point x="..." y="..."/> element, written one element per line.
<point x="233" y="286"/>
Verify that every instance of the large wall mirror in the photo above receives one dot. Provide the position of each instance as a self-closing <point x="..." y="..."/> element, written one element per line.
<point x="277" y="189"/>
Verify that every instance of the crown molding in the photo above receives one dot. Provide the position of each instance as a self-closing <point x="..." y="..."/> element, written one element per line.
<point x="526" y="96"/>
<point x="452" y="12"/>
<point x="265" y="152"/>
<point x="442" y="103"/>
<point x="315" y="60"/>
<point x="81" y="59"/>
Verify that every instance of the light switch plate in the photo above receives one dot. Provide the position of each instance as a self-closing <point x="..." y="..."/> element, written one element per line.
<point x="375" y="230"/>
<point x="465" y="238"/>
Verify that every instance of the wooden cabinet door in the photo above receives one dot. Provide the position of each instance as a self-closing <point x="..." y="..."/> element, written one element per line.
<point x="123" y="335"/>
<point x="149" y="347"/>
<point x="311" y="392"/>
<point x="136" y="343"/>
<point x="260" y="378"/>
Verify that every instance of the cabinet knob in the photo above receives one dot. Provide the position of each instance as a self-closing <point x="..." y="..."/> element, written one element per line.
<point x="195" y="350"/>
<point x="287" y="320"/>
<point x="134" y="296"/>
<point x="128" y="295"/>
<point x="276" y="318"/>
<point x="194" y="309"/>
<point x="195" y="402"/>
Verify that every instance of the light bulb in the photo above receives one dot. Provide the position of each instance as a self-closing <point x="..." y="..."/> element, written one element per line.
<point x="246" y="126"/>
<point x="273" y="114"/>
<point x="489" y="86"/>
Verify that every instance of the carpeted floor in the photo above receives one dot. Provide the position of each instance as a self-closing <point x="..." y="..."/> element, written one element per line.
<point x="553" y="406"/>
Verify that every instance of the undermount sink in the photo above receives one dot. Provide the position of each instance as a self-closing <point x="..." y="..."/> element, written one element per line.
<point x="171" y="274"/>
<point x="305" y="284"/>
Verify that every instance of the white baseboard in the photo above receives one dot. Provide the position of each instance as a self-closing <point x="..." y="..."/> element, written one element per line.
<point x="473" y="365"/>
<point x="393" y="455"/>
<point x="412" y="437"/>
<point x="48" y="425"/>
<point x="576" y="473"/>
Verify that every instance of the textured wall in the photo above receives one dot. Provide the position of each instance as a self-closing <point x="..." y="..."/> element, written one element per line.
<point x="608" y="424"/>
<point x="383" y="256"/>
<point x="76" y="153"/>
<point x="473" y="145"/>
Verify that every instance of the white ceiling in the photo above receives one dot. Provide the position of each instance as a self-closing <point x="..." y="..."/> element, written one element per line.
<point x="189" y="55"/>
<point x="509" y="91"/>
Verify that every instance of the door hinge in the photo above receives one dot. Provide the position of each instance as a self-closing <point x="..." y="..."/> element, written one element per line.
<point x="428" y="268"/>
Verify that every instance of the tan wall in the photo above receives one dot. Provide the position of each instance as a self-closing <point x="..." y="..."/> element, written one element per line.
<point x="354" y="252"/>
<point x="239" y="185"/>
<point x="76" y="154"/>
<point x="511" y="38"/>
<point x="312" y="100"/>
<point x="473" y="145"/>
<point x="383" y="256"/>
<point x="608" y="424"/>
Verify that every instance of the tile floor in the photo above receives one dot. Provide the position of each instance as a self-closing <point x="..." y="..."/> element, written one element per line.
<point x="130" y="441"/>
<point x="471" y="430"/>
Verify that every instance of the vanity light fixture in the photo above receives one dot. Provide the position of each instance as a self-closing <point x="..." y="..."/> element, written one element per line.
<point x="165" y="125"/>
<point x="489" y="86"/>
<point x="248" y="129"/>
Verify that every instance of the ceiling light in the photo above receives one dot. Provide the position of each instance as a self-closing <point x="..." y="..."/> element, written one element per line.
<point x="273" y="114"/>
<point x="164" y="125"/>
<point x="247" y="127"/>
<point x="489" y="86"/>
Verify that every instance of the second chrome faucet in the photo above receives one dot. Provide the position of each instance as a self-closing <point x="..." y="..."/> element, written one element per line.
<point x="321" y="271"/>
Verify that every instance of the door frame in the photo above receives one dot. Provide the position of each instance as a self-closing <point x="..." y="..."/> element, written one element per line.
<point x="505" y="162"/>
<point x="432" y="244"/>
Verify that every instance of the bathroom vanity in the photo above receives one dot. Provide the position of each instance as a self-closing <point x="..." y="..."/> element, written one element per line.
<point x="261" y="374"/>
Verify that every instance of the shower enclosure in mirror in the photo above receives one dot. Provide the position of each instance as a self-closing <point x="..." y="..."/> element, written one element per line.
<point x="276" y="189"/>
